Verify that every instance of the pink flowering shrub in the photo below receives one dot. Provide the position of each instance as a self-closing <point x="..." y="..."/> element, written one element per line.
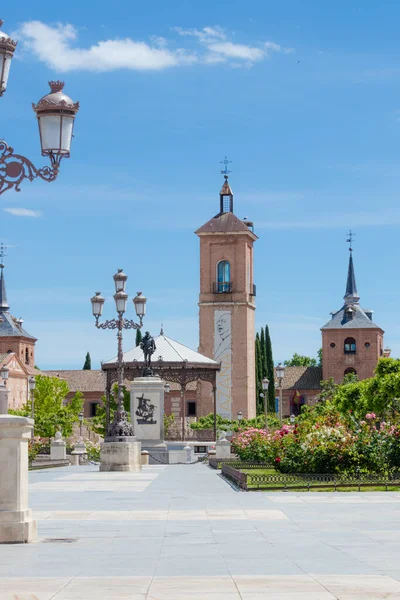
<point x="253" y="445"/>
<point x="324" y="442"/>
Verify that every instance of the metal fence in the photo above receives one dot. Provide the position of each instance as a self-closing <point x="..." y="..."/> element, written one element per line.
<point x="304" y="481"/>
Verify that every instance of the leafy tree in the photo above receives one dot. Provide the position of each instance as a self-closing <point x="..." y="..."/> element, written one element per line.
<point x="319" y="357"/>
<point x="270" y="371"/>
<point x="138" y="337"/>
<point x="379" y="394"/>
<point x="99" y="421"/>
<point x="259" y="390"/>
<point x="88" y="363"/>
<point x="328" y="390"/>
<point x="50" y="412"/>
<point x="298" y="360"/>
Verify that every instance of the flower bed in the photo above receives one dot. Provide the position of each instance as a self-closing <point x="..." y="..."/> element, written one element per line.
<point x="324" y="443"/>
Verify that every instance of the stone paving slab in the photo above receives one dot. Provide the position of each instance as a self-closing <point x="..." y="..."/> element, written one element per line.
<point x="175" y="532"/>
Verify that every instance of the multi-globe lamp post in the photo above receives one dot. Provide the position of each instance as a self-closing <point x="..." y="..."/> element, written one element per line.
<point x="55" y="113"/>
<point x="120" y="427"/>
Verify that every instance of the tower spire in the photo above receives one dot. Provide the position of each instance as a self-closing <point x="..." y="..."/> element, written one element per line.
<point x="3" y="295"/>
<point x="226" y="195"/>
<point x="351" y="296"/>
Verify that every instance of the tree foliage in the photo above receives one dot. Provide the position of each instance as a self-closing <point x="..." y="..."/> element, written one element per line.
<point x="379" y="394"/>
<point x="88" y="363"/>
<point x="51" y="414"/>
<point x="138" y="338"/>
<point x="264" y="368"/>
<point x="298" y="360"/>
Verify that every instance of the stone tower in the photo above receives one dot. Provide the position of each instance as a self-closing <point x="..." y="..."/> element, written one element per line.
<point x="13" y="337"/>
<point x="227" y="307"/>
<point x="351" y="341"/>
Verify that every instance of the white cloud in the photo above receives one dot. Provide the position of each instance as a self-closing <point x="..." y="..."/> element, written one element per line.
<point x="52" y="45"/>
<point x="22" y="212"/>
<point x="57" y="47"/>
<point x="237" y="51"/>
<point x="206" y="35"/>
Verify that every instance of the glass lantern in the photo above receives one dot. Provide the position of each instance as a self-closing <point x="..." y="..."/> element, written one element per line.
<point x="97" y="304"/>
<point x="7" y="49"/>
<point x="140" y="305"/>
<point x="56" y="115"/>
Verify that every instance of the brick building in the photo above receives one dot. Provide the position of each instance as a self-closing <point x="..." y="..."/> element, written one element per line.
<point x="351" y="343"/>
<point x="17" y="350"/>
<point x="227" y="307"/>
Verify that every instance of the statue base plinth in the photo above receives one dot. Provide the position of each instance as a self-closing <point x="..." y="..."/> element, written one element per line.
<point x="121" y="454"/>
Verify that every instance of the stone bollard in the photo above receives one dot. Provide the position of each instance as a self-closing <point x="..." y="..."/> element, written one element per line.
<point x="78" y="453"/>
<point x="223" y="447"/>
<point x="145" y="457"/>
<point x="188" y="450"/>
<point x="58" y="450"/>
<point x="16" y="523"/>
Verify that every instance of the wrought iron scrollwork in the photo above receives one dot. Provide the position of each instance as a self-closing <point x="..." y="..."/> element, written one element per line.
<point x="14" y="168"/>
<point x="115" y="324"/>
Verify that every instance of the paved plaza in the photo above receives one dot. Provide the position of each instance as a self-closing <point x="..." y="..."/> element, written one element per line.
<point x="181" y="532"/>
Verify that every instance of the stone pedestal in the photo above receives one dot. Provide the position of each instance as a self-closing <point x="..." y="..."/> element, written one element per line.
<point x="58" y="450"/>
<point x="121" y="455"/>
<point x="3" y="399"/>
<point x="147" y="411"/>
<point x="16" y="523"/>
<point x="223" y="447"/>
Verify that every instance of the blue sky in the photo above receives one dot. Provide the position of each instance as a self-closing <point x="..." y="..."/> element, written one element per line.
<point x="302" y="97"/>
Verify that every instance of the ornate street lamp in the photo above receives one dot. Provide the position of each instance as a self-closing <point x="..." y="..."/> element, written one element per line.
<point x="280" y="373"/>
<point x="7" y="49"/>
<point x="120" y="427"/>
<point x="55" y="113"/>
<point x="265" y="384"/>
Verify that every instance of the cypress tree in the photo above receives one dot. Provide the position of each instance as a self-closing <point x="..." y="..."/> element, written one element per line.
<point x="270" y="371"/>
<point x="88" y="363"/>
<point x="259" y="400"/>
<point x="263" y="354"/>
<point x="138" y="337"/>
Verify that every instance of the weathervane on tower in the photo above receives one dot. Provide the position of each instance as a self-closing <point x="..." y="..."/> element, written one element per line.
<point x="350" y="239"/>
<point x="225" y="172"/>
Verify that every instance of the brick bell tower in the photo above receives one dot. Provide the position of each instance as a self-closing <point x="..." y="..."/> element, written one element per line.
<point x="351" y="341"/>
<point x="227" y="308"/>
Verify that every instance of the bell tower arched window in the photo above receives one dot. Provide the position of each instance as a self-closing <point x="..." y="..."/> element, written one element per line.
<point x="223" y="277"/>
<point x="26" y="356"/>
<point x="350" y="346"/>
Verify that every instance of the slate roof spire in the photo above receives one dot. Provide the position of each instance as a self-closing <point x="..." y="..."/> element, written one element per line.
<point x="3" y="295"/>
<point x="351" y="296"/>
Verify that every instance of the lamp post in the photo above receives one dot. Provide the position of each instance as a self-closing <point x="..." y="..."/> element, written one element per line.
<point x="55" y="113"/>
<point x="292" y="419"/>
<point x="32" y="385"/>
<point x="167" y="387"/>
<point x="239" y="417"/>
<point x="4" y="374"/>
<point x="265" y="384"/>
<point x="280" y="373"/>
<point x="80" y="417"/>
<point x="120" y="427"/>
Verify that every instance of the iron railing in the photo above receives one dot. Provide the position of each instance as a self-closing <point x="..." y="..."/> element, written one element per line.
<point x="223" y="287"/>
<point x="286" y="481"/>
